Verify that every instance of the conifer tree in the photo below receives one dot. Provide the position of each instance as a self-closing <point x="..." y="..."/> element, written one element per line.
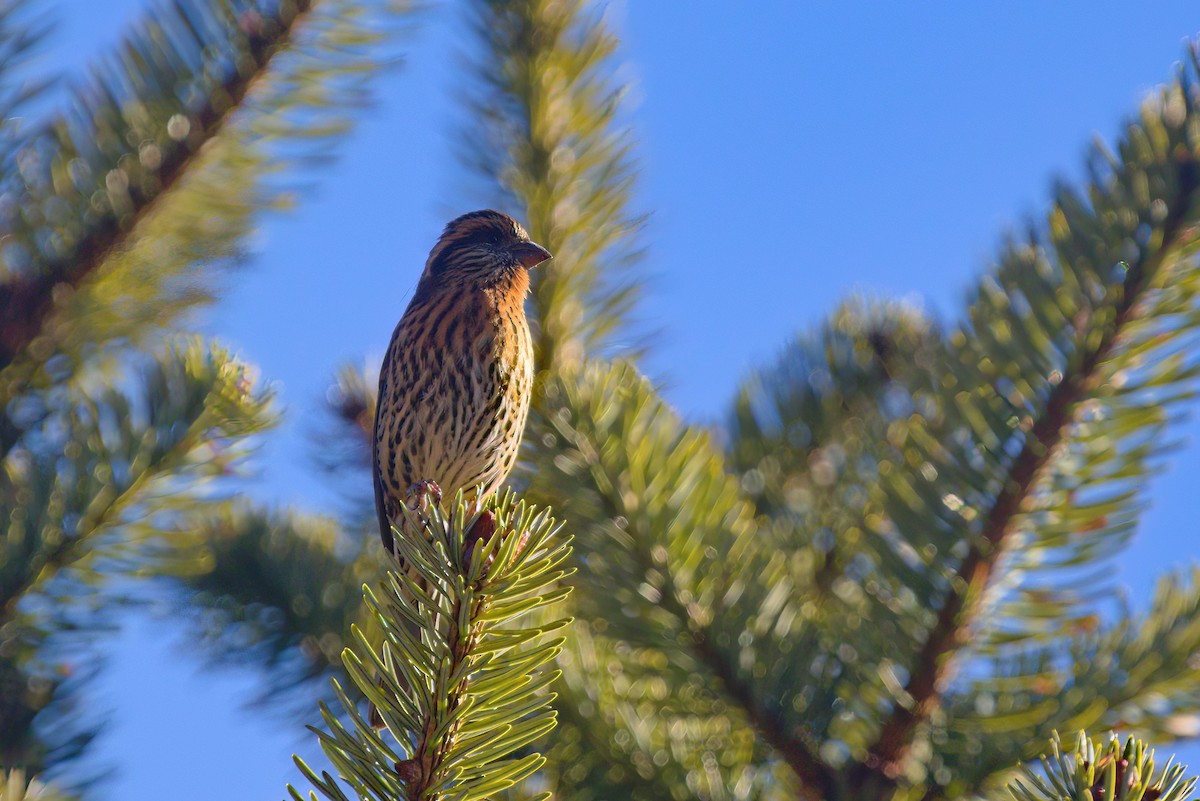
<point x="119" y="213"/>
<point x="884" y="586"/>
<point x="879" y="583"/>
<point x="460" y="689"/>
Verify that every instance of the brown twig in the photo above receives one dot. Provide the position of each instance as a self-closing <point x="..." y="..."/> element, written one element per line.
<point x="932" y="668"/>
<point x="423" y="768"/>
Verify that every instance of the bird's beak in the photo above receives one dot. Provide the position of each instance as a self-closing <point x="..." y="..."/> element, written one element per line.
<point x="531" y="254"/>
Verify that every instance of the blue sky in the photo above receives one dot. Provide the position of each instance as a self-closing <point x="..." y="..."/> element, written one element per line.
<point x="790" y="155"/>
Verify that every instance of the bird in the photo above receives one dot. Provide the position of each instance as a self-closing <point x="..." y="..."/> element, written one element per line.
<point x="457" y="376"/>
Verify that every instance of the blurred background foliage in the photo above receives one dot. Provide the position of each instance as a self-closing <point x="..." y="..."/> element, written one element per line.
<point x="119" y="216"/>
<point x="885" y="577"/>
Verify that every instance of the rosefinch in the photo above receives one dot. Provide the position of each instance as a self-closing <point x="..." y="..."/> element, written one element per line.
<point x="455" y="384"/>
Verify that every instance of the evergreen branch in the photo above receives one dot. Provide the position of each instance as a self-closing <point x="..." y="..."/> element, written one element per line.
<point x="799" y="428"/>
<point x="108" y="241"/>
<point x="276" y="590"/>
<point x="609" y="451"/>
<point x="46" y="722"/>
<point x="90" y="490"/>
<point x="816" y="779"/>
<point x="21" y="35"/>
<point x="16" y="786"/>
<point x="127" y="455"/>
<point x="352" y="403"/>
<point x="343" y="439"/>
<point x="115" y="210"/>
<point x="25" y="691"/>
<point x="459" y="686"/>
<point x="550" y="146"/>
<point x="1100" y="315"/>
<point x="592" y="756"/>
<point x="809" y="435"/>
<point x="248" y="38"/>
<point x="1094" y="769"/>
<point x="1141" y="673"/>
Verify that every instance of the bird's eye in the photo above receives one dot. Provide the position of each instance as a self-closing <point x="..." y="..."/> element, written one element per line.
<point x="482" y="238"/>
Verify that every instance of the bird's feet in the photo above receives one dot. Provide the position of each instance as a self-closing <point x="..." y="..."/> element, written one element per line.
<point x="423" y="491"/>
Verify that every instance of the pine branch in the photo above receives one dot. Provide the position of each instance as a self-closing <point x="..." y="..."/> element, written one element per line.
<point x="799" y="428"/>
<point x="342" y="443"/>
<point x="16" y="786"/>
<point x="671" y="558"/>
<point x="129" y="456"/>
<point x="352" y="404"/>
<point x="547" y="141"/>
<point x="25" y="691"/>
<point x="277" y="590"/>
<point x="604" y="746"/>
<point x="459" y="687"/>
<point x="116" y="212"/>
<point x="1101" y="329"/>
<point x="27" y="296"/>
<point x="807" y="437"/>
<point x="810" y="437"/>
<point x="86" y="498"/>
<point x="1140" y="673"/>
<point x="47" y="722"/>
<point x="1094" y="769"/>
<point x="106" y="242"/>
<point x="816" y="778"/>
<point x="22" y="32"/>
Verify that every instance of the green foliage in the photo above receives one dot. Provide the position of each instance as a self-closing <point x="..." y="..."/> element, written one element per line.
<point x="275" y="589"/>
<point x="804" y="431"/>
<point x="885" y="580"/>
<point x="1139" y="673"/>
<point x="1095" y="769"/>
<point x="119" y="208"/>
<point x="891" y="584"/>
<point x="114" y="212"/>
<point x="351" y="407"/>
<point x="21" y="32"/>
<point x="1073" y="359"/>
<point x="909" y="495"/>
<point x="1049" y="414"/>
<point x="667" y="590"/>
<point x="548" y="140"/>
<point x="113" y="460"/>
<point x="14" y="787"/>
<point x="459" y="678"/>
<point x="93" y="491"/>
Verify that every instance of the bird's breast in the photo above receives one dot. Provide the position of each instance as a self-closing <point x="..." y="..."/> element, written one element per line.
<point x="456" y="388"/>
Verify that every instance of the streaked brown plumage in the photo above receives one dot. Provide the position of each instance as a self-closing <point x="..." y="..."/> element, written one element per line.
<point x="456" y="379"/>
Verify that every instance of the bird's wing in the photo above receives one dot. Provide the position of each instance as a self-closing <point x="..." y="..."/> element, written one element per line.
<point x="385" y="526"/>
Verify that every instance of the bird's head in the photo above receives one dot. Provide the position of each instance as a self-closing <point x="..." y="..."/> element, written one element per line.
<point x="483" y="248"/>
